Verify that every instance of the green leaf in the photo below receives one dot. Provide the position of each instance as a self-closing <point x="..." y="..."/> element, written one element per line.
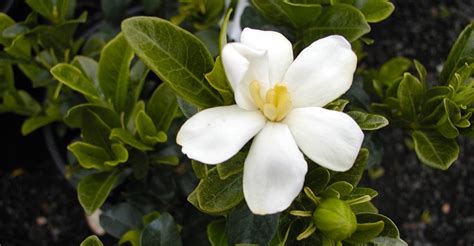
<point x="384" y="241"/>
<point x="410" y="93"/>
<point x="75" y="79"/>
<point x="216" y="233"/>
<point x="296" y="15"/>
<point x="114" y="9"/>
<point x="389" y="229"/>
<point x="88" y="155"/>
<point x="35" y="122"/>
<point x="354" y="174"/>
<point x="223" y="32"/>
<point x="393" y="69"/>
<point x="245" y="227"/>
<point x="162" y="107"/>
<point x="91" y="241"/>
<point x="462" y="52"/>
<point x="120" y="154"/>
<point x="375" y="10"/>
<point x="88" y="66"/>
<point x="218" y="80"/>
<point x="147" y="130"/>
<point x="317" y="179"/>
<point x="342" y="187"/>
<point x="120" y="218"/>
<point x="132" y="237"/>
<point x="232" y="166"/>
<point x="94" y="189"/>
<point x="368" y="122"/>
<point x="217" y="195"/>
<point x="44" y="8"/>
<point x="366" y="207"/>
<point x="339" y="19"/>
<point x="200" y="169"/>
<point x="161" y="232"/>
<point x="175" y="55"/>
<point x="337" y="105"/>
<point x="446" y="124"/>
<point x="422" y="73"/>
<point x="434" y="150"/>
<point x="114" y="71"/>
<point x="366" y="232"/>
<point x="76" y="116"/>
<point x="150" y="217"/>
<point x="128" y="138"/>
<point x="140" y="163"/>
<point x="5" y="22"/>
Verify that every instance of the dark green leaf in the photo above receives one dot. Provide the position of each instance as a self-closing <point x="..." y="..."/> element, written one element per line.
<point x="95" y="188"/>
<point x="375" y="10"/>
<point x="317" y="179"/>
<point x="446" y="125"/>
<point x="434" y="150"/>
<point x="200" y="169"/>
<point x="366" y="232"/>
<point x="217" y="195"/>
<point x="162" y="107"/>
<point x="388" y="241"/>
<point x="89" y="156"/>
<point x="161" y="232"/>
<point x="462" y="52"/>
<point x="354" y="174"/>
<point x="338" y="19"/>
<point x="393" y="69"/>
<point x="128" y="138"/>
<point x="410" y="93"/>
<point x="218" y="80"/>
<point x="35" y="122"/>
<point x="114" y="71"/>
<point x="175" y="55"/>
<point x="245" y="227"/>
<point x="389" y="229"/>
<point x="232" y="166"/>
<point x="147" y="130"/>
<point x="216" y="233"/>
<point x="120" y="218"/>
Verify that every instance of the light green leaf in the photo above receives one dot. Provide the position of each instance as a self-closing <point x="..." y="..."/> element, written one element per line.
<point x="5" y="22"/>
<point x="342" y="187"/>
<point x="218" y="80"/>
<point x="128" y="138"/>
<point x="147" y="131"/>
<point x="232" y="166"/>
<point x="91" y="241"/>
<point x="175" y="55"/>
<point x="389" y="229"/>
<point x="35" y="122"/>
<point x="338" y="19"/>
<point x="223" y="32"/>
<point x="393" y="69"/>
<point x="120" y="155"/>
<point x="88" y="66"/>
<point x="88" y="155"/>
<point x="162" y="107"/>
<point x="217" y="195"/>
<point x="410" y="93"/>
<point x="366" y="232"/>
<point x="132" y="237"/>
<point x="114" y="71"/>
<point x="44" y="8"/>
<point x="446" y="124"/>
<point x="434" y="150"/>
<point x="462" y="52"/>
<point x="94" y="189"/>
<point x="75" y="79"/>
<point x="368" y="122"/>
<point x="375" y="10"/>
<point x="216" y="233"/>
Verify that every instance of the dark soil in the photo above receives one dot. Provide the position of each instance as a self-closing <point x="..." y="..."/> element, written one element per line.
<point x="431" y="207"/>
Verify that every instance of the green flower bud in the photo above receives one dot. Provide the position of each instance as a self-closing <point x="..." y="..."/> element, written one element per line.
<point x="335" y="219"/>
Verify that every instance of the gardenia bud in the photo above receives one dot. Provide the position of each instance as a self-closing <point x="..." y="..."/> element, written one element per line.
<point x="335" y="219"/>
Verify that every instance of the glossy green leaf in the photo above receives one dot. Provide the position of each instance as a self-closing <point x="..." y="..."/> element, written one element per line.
<point x="368" y="122"/>
<point x="121" y="218"/>
<point x="147" y="130"/>
<point x="218" y="80"/>
<point x="342" y="187"/>
<point x="161" y="232"/>
<point x="410" y="93"/>
<point x="216" y="233"/>
<point x="120" y="155"/>
<point x="128" y="138"/>
<point x="338" y="19"/>
<point x="75" y="79"/>
<point x="446" y="125"/>
<point x="175" y="55"/>
<point x="434" y="150"/>
<point x="393" y="69"/>
<point x="232" y="166"/>
<point x="94" y="189"/>
<point x="366" y="232"/>
<point x="91" y="241"/>
<point x="217" y="195"/>
<point x="76" y="116"/>
<point x="88" y="66"/>
<point x="389" y="229"/>
<point x="317" y="179"/>
<point x="375" y="10"/>
<point x="354" y="174"/>
<point x="296" y="15"/>
<point x="114" y="71"/>
<point x="162" y="107"/>
<point x="245" y="227"/>
<point x="462" y="52"/>
<point x="88" y="155"/>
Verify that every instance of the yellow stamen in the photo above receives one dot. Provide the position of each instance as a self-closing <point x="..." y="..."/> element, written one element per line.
<point x="277" y="103"/>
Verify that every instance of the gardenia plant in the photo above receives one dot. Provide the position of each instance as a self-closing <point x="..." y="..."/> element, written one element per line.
<point x="279" y="101"/>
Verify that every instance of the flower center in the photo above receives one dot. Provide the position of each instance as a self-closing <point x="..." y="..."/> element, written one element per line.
<point x="276" y="104"/>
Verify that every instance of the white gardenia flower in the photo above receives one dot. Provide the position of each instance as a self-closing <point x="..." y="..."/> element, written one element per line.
<point x="280" y="102"/>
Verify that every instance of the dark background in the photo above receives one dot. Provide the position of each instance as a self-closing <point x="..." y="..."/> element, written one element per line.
<point x="430" y="207"/>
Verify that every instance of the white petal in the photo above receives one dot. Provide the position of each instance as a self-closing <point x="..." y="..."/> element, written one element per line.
<point x="274" y="170"/>
<point x="243" y="65"/>
<point x="322" y="72"/>
<point x="234" y="29"/>
<point x="214" y="135"/>
<point x="279" y="49"/>
<point x="331" y="139"/>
